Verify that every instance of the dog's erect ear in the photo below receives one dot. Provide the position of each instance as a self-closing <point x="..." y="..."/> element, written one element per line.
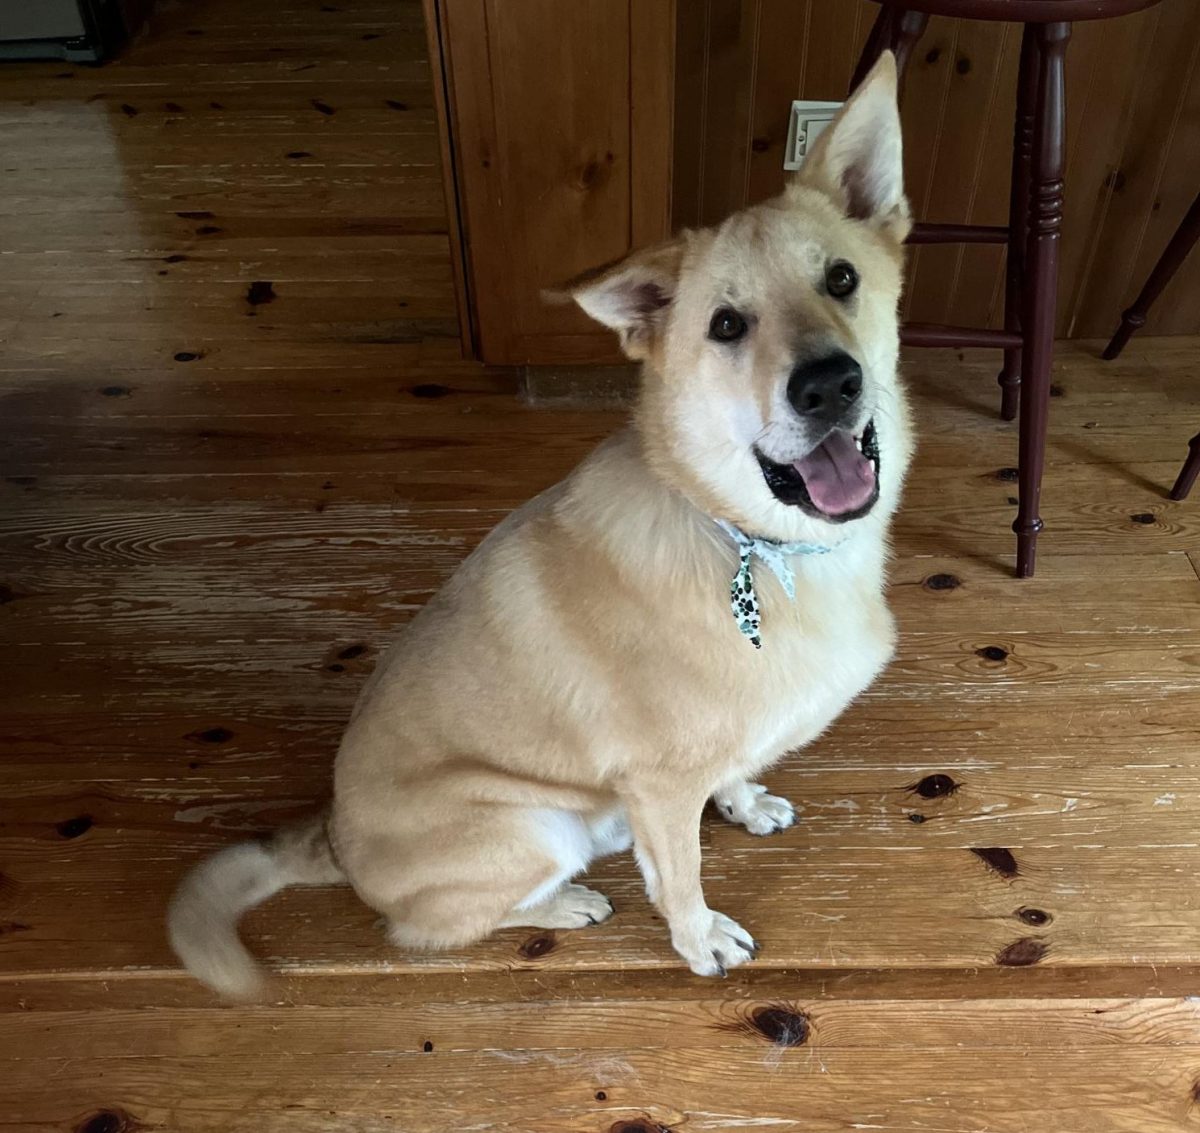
<point x="858" y="159"/>
<point x="630" y="296"/>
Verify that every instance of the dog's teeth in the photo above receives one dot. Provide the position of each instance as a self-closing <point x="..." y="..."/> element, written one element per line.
<point x="858" y="443"/>
<point x="874" y="465"/>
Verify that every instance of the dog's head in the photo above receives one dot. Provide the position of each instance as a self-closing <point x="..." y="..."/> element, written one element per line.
<point x="769" y="343"/>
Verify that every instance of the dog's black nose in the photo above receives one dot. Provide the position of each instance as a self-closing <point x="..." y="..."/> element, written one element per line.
<point x="825" y="388"/>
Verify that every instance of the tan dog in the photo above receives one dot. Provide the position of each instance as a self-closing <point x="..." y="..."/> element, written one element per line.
<point x="586" y="680"/>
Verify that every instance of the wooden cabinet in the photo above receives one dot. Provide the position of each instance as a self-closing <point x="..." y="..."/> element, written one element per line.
<point x="558" y="152"/>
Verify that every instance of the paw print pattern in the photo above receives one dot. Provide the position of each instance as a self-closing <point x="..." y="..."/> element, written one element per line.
<point x="743" y="598"/>
<point x="744" y="602"/>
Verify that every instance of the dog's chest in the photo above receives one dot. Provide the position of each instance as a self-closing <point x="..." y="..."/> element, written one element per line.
<point x="818" y="653"/>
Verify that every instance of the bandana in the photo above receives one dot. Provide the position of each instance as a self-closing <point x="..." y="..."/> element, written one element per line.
<point x="743" y="598"/>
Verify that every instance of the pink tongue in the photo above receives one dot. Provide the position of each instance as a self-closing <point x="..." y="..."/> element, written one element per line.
<point x="838" y="477"/>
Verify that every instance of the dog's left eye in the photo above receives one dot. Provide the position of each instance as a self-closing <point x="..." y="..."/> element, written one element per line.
<point x="726" y="325"/>
<point x="841" y="279"/>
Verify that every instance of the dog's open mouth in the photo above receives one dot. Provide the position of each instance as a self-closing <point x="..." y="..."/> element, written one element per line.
<point x="837" y="481"/>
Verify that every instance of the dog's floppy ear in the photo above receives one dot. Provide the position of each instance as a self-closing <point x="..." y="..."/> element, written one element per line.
<point x="858" y="159"/>
<point x="630" y="296"/>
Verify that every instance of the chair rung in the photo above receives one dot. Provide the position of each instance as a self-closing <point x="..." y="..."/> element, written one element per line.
<point x="958" y="234"/>
<point x="934" y="334"/>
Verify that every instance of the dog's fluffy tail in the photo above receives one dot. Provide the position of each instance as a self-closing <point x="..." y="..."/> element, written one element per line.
<point x="204" y="913"/>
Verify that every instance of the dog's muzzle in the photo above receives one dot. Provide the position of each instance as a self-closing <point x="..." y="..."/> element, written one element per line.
<point x="837" y="481"/>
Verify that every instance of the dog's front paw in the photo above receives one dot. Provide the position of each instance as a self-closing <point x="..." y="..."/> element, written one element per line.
<point x="720" y="944"/>
<point x="749" y="805"/>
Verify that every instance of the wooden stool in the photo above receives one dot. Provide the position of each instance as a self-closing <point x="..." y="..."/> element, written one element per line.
<point x="1134" y="318"/>
<point x="1034" y="217"/>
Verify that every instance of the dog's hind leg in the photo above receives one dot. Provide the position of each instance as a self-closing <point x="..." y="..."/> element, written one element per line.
<point x="511" y="867"/>
<point x="575" y="840"/>
<point x="572" y="906"/>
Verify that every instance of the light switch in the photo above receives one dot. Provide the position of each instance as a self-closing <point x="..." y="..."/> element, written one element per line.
<point x="807" y="121"/>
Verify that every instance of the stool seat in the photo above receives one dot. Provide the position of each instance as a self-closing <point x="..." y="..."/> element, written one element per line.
<point x="1024" y="11"/>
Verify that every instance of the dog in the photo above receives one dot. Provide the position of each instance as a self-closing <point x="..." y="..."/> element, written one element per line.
<point x="702" y="595"/>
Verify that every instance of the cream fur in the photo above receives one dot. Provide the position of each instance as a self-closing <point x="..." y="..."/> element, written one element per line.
<point x="580" y="683"/>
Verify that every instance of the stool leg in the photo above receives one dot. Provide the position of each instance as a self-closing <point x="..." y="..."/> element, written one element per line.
<point x="896" y="29"/>
<point x="1176" y="252"/>
<point x="1040" y="282"/>
<point x="1018" y="218"/>
<point x="1189" y="472"/>
<point x="877" y="42"/>
<point x="907" y="29"/>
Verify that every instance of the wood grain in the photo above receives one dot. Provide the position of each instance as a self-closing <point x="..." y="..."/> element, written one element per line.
<point x="986" y="917"/>
<point x="556" y="173"/>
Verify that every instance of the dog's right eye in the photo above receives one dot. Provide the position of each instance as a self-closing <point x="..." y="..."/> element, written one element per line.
<point x="726" y="325"/>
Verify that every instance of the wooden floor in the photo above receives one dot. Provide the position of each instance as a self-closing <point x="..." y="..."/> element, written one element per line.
<point x="240" y="449"/>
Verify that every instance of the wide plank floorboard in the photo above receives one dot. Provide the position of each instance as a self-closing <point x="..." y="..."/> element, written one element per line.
<point x="241" y="448"/>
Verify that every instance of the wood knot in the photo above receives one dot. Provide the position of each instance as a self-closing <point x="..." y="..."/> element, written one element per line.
<point x="935" y="786"/>
<point x="211" y="736"/>
<point x="430" y="389"/>
<point x="260" y="291"/>
<point x="997" y="859"/>
<point x="109" y="1121"/>
<point x="1022" y="953"/>
<point x="1035" y="917"/>
<point x="1144" y="517"/>
<point x="641" y="1125"/>
<point x="186" y="356"/>
<point x="593" y="173"/>
<point x="538" y="945"/>
<point x="992" y="653"/>
<point x="352" y="651"/>
<point x="115" y="391"/>
<point x="1008" y="475"/>
<point x="781" y="1025"/>
<point x="760" y="145"/>
<point x="916" y="819"/>
<point x="427" y="1046"/>
<point x="1057" y="391"/>
<point x="588" y="174"/>
<point x="74" y="827"/>
<point x="963" y="65"/>
<point x="942" y="582"/>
